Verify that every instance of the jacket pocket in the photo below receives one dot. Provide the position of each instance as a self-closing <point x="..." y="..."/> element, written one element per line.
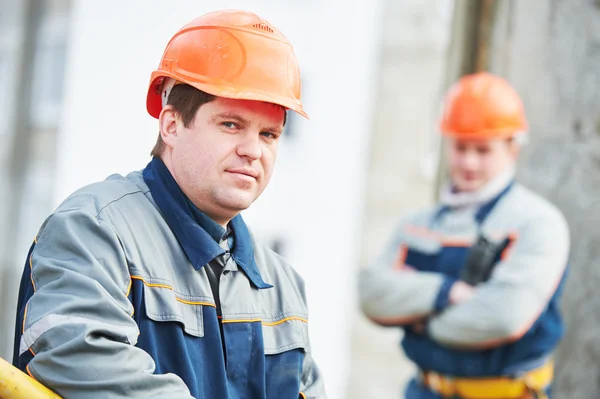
<point x="285" y="334"/>
<point x="164" y="305"/>
<point x="286" y="347"/>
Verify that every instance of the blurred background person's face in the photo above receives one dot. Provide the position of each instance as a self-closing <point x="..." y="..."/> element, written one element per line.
<point x="473" y="163"/>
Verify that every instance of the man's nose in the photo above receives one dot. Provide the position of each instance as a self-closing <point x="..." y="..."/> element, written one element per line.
<point x="249" y="146"/>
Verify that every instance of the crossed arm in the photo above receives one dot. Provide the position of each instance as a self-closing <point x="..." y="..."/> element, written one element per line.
<point x="498" y="311"/>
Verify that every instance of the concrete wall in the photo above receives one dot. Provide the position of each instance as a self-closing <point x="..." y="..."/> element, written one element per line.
<point x="550" y="50"/>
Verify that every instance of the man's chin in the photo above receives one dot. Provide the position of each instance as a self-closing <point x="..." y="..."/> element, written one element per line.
<point x="469" y="185"/>
<point x="238" y="201"/>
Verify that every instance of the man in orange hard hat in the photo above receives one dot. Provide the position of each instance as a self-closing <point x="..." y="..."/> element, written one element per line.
<point x="475" y="281"/>
<point x="151" y="285"/>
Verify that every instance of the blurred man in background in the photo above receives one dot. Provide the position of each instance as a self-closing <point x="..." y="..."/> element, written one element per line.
<point x="151" y="285"/>
<point x="475" y="282"/>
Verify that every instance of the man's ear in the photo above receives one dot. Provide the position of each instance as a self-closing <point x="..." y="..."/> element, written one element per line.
<point x="168" y="122"/>
<point x="515" y="148"/>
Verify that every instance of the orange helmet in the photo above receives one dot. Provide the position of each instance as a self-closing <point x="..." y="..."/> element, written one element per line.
<point x="482" y="106"/>
<point x="233" y="54"/>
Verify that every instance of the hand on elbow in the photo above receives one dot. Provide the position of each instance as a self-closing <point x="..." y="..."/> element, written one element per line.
<point x="460" y="292"/>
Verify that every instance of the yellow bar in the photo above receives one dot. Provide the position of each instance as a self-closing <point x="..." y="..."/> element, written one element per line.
<point x="14" y="384"/>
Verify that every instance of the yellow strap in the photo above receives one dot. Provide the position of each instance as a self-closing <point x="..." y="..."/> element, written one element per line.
<point x="491" y="388"/>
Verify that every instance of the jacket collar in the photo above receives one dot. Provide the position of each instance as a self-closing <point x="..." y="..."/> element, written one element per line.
<point x="190" y="226"/>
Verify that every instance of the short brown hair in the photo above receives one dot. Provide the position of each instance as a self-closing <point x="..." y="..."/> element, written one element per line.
<point x="185" y="101"/>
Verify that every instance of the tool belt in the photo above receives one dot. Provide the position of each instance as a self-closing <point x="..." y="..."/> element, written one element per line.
<point x="516" y="387"/>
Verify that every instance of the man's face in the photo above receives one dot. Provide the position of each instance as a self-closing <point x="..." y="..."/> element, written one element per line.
<point x="473" y="163"/>
<point x="224" y="160"/>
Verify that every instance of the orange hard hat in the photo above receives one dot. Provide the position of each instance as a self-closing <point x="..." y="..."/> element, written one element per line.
<point x="482" y="106"/>
<point x="233" y="54"/>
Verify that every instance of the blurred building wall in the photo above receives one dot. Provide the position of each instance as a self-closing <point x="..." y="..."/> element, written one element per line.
<point x="550" y="50"/>
<point x="33" y="45"/>
<point x="402" y="167"/>
<point x="313" y="208"/>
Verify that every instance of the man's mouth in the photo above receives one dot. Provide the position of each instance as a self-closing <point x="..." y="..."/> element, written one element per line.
<point x="247" y="172"/>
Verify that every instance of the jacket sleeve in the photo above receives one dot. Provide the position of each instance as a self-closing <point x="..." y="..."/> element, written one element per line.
<point x="78" y="322"/>
<point x="393" y="294"/>
<point x="311" y="386"/>
<point x="505" y="307"/>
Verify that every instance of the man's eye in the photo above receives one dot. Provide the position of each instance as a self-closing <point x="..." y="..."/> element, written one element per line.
<point x="230" y="125"/>
<point x="268" y="135"/>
